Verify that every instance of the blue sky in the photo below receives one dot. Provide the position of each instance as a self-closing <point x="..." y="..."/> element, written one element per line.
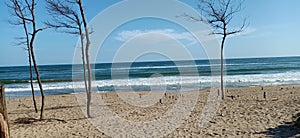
<point x="273" y="31"/>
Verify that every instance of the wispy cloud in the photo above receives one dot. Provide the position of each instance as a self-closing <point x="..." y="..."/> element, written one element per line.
<point x="251" y="32"/>
<point x="248" y="31"/>
<point x="180" y="36"/>
<point x="185" y="37"/>
<point x="245" y="33"/>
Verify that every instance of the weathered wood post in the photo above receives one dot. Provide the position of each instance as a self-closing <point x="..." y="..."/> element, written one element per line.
<point x="4" y="131"/>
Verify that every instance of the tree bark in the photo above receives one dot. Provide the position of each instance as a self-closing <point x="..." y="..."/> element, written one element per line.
<point x="4" y="128"/>
<point x="30" y="63"/>
<point x="29" y="58"/>
<point x="88" y="42"/>
<point x="37" y="75"/>
<point x="222" y="67"/>
<point x="31" y="80"/>
<point x="83" y="60"/>
<point x="4" y="131"/>
<point x="39" y="82"/>
<point x="35" y="31"/>
<point x="25" y="12"/>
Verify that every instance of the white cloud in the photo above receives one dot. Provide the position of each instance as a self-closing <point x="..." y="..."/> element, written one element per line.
<point x="251" y="32"/>
<point x="245" y="33"/>
<point x="180" y="36"/>
<point x="248" y="31"/>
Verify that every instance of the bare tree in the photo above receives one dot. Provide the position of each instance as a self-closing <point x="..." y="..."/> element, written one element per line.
<point x="24" y="13"/>
<point x="69" y="20"/>
<point x="87" y="47"/>
<point x="66" y="19"/>
<point x="24" y="41"/>
<point x="219" y="15"/>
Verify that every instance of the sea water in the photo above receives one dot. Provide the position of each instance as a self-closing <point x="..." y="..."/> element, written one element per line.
<point x="160" y="75"/>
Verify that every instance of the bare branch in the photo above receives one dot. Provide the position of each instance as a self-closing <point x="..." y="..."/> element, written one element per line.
<point x="239" y="30"/>
<point x="65" y="18"/>
<point x="23" y="14"/>
<point x="192" y="18"/>
<point x="18" y="10"/>
<point x="219" y="14"/>
<point x="41" y="29"/>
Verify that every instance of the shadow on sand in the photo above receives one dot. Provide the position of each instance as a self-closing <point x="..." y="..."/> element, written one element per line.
<point x="28" y="120"/>
<point x="283" y="131"/>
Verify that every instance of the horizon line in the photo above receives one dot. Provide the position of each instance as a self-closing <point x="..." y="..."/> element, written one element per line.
<point x="107" y="62"/>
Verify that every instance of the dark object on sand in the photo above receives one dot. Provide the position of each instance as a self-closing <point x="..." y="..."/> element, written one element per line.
<point x="4" y="128"/>
<point x="297" y="123"/>
<point x="232" y="97"/>
<point x="297" y="120"/>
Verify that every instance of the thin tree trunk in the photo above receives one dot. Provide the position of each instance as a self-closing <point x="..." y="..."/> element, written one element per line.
<point x="222" y="68"/>
<point x="88" y="42"/>
<point x="4" y="130"/>
<point x="39" y="81"/>
<point x="90" y="82"/>
<point x="4" y="126"/>
<point x="35" y="31"/>
<point x="31" y="80"/>
<point x="83" y="60"/>
<point x="22" y="9"/>
<point x="30" y="63"/>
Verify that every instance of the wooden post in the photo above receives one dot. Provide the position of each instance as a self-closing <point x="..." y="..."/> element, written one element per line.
<point x="3" y="114"/>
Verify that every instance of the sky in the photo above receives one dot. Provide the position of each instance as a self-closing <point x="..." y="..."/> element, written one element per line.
<point x="273" y="31"/>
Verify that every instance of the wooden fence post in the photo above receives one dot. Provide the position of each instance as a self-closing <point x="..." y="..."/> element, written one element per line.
<point x="3" y="114"/>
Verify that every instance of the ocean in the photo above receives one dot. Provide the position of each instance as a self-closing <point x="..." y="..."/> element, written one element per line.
<point x="160" y="75"/>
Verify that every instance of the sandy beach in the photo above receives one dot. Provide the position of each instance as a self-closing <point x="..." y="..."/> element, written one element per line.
<point x="244" y="113"/>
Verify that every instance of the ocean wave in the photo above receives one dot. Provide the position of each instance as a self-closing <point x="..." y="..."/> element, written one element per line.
<point x="168" y="81"/>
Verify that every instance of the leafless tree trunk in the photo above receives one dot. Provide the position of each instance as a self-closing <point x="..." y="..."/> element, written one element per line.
<point x="39" y="82"/>
<point x="31" y="72"/>
<point x="4" y="129"/>
<point x="71" y="23"/>
<point x="219" y="14"/>
<point x="24" y="12"/>
<point x="17" y="11"/>
<point x="88" y="42"/>
<point x="83" y="60"/>
<point x="69" y="20"/>
<point x="4" y="126"/>
<point x="29" y="60"/>
<point x="66" y="19"/>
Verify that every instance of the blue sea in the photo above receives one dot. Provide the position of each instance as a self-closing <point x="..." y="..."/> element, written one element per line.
<point x="144" y="76"/>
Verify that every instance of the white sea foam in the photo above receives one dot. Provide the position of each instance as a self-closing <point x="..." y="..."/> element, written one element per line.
<point x="196" y="82"/>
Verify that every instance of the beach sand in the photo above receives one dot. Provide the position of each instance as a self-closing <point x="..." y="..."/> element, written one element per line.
<point x="244" y="113"/>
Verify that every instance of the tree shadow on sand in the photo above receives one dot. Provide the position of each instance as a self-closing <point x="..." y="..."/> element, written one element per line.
<point x="284" y="130"/>
<point x="28" y="120"/>
<point x="62" y="107"/>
